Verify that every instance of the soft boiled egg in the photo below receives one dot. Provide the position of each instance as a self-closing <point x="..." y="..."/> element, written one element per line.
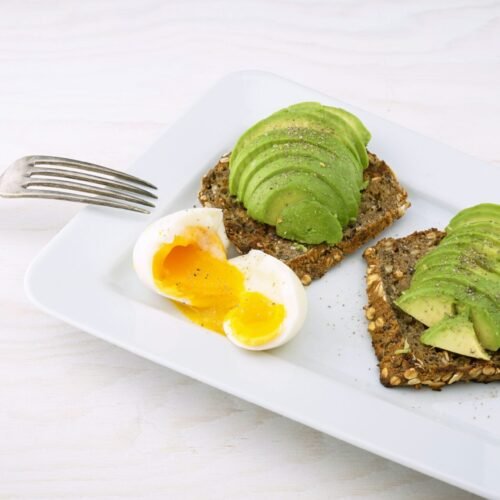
<point x="169" y="252"/>
<point x="273" y="307"/>
<point x="255" y="299"/>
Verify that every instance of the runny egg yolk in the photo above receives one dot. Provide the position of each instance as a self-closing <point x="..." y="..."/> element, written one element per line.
<point x="194" y="268"/>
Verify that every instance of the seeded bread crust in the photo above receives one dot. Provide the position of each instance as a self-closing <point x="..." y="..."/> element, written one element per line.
<point x="403" y="359"/>
<point x="382" y="202"/>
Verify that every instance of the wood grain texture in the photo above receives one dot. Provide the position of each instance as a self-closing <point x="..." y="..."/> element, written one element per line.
<point x="100" y="81"/>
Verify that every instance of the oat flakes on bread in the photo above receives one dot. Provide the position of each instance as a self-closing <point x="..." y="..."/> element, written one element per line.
<point x="383" y="201"/>
<point x="403" y="359"/>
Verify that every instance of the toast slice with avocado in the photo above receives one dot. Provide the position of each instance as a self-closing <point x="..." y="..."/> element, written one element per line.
<point x="383" y="201"/>
<point x="403" y="359"/>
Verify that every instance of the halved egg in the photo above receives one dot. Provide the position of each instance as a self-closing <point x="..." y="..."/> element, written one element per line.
<point x="173" y="254"/>
<point x="273" y="307"/>
<point x="255" y="299"/>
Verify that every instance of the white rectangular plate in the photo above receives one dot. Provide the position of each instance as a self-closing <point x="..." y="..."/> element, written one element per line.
<point x="327" y="377"/>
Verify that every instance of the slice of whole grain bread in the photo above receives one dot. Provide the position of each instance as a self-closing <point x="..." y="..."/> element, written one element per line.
<point x="382" y="202"/>
<point x="403" y="359"/>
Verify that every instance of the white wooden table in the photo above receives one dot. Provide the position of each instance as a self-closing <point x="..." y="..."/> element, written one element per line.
<point x="100" y="80"/>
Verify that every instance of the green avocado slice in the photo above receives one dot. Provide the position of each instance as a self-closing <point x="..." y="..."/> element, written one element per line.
<point x="458" y="256"/>
<point x="360" y="130"/>
<point x="427" y="305"/>
<point x="473" y="234"/>
<point x="483" y="243"/>
<point x="338" y="123"/>
<point x="481" y="226"/>
<point x="456" y="335"/>
<point x="325" y="227"/>
<point x="485" y="212"/>
<point x="355" y="123"/>
<point x="486" y="323"/>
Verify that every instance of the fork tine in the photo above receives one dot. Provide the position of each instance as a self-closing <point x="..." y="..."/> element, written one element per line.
<point x="59" y="195"/>
<point x="68" y="174"/>
<point x="83" y="165"/>
<point x="85" y="188"/>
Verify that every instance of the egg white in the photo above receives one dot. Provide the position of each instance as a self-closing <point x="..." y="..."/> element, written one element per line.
<point x="164" y="231"/>
<point x="266" y="274"/>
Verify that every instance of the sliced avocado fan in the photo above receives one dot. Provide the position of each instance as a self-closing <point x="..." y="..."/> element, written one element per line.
<point x="455" y="289"/>
<point x="301" y="170"/>
<point x="456" y="335"/>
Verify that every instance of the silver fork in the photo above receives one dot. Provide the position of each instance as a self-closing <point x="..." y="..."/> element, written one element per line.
<point x="73" y="180"/>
